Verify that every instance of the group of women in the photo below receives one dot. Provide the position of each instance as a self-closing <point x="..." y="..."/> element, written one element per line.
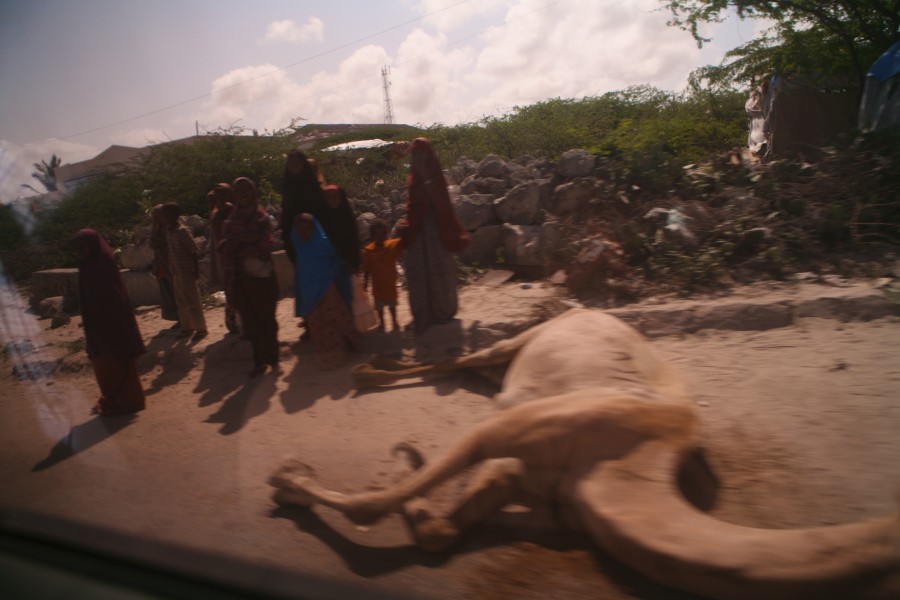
<point x="319" y="232"/>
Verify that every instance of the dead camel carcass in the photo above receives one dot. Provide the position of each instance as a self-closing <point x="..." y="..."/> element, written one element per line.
<point x="595" y="421"/>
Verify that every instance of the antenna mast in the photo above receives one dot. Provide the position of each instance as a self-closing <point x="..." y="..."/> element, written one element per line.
<point x="388" y="108"/>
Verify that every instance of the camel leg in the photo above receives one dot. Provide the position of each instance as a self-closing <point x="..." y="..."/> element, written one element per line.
<point x="296" y="486"/>
<point x="496" y="484"/>
<point x="541" y="431"/>
<point x="385" y="371"/>
<point x="498" y="437"/>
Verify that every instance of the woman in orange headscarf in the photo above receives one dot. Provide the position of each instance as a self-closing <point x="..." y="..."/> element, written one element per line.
<point x="432" y="235"/>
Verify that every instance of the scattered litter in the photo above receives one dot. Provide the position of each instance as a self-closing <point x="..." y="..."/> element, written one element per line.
<point x="572" y="303"/>
<point x="835" y="281"/>
<point x="35" y="370"/>
<point x="558" y="278"/>
<point x="495" y="277"/>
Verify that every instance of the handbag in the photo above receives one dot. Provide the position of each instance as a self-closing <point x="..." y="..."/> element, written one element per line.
<point x="364" y="317"/>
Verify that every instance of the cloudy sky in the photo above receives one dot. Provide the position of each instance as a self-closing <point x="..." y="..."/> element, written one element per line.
<point x="79" y="76"/>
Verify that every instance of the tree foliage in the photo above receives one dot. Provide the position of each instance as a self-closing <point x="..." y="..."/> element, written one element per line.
<point x="644" y="132"/>
<point x="45" y="172"/>
<point x="821" y="39"/>
<point x="11" y="233"/>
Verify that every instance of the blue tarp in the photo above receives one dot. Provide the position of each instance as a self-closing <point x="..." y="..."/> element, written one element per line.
<point x="880" y="105"/>
<point x="887" y="65"/>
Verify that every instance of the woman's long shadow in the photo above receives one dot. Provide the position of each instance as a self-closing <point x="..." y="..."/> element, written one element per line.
<point x="176" y="360"/>
<point x="84" y="436"/>
<point x="217" y="381"/>
<point x="307" y="385"/>
<point x="249" y="401"/>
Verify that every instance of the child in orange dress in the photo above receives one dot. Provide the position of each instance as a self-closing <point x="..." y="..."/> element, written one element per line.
<point x="379" y="261"/>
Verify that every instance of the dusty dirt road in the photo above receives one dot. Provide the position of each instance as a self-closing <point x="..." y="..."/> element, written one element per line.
<point x="802" y="424"/>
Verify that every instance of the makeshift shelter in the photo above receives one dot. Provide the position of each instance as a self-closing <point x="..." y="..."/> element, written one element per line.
<point x="880" y="106"/>
<point x="788" y="115"/>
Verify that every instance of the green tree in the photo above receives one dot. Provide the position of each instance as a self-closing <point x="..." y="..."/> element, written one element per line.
<point x="815" y="38"/>
<point x="45" y="173"/>
<point x="11" y="233"/>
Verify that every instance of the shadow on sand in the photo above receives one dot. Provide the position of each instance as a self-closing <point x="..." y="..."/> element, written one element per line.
<point x="84" y="436"/>
<point x="173" y="354"/>
<point x="532" y="553"/>
<point x="251" y="400"/>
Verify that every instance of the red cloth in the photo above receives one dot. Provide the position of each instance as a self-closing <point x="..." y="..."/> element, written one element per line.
<point x="106" y="312"/>
<point x="429" y="193"/>
<point x="120" y="385"/>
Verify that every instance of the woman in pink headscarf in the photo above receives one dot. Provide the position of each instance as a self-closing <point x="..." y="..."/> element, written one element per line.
<point x="431" y="236"/>
<point x="112" y="338"/>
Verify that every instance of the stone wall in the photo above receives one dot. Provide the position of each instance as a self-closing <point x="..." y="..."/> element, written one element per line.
<point x="142" y="287"/>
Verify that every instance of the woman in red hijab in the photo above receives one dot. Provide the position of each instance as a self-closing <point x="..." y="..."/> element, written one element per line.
<point x="111" y="334"/>
<point x="432" y="236"/>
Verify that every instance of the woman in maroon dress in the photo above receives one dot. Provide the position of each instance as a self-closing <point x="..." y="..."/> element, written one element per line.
<point x="431" y="238"/>
<point x="111" y="334"/>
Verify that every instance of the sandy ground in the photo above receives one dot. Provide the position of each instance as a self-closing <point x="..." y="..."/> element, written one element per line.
<point x="801" y="424"/>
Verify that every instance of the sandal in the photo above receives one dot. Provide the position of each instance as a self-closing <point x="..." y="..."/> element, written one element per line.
<point x="101" y="410"/>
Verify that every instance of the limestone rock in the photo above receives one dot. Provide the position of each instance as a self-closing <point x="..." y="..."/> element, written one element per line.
<point x="491" y="167"/>
<point x="575" y="163"/>
<point x="520" y="206"/>
<point x="475" y="210"/>
<point x="573" y="196"/>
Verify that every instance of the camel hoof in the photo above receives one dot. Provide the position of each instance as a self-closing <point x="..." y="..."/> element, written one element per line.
<point x="292" y="497"/>
<point x="386" y="363"/>
<point x="436" y="535"/>
<point x="364" y="376"/>
<point x="290" y="472"/>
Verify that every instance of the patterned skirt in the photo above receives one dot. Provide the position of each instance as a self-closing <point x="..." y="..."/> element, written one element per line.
<point x="331" y="328"/>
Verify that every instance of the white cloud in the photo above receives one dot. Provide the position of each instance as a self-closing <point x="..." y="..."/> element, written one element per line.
<point x="238" y="93"/>
<point x="448" y="17"/>
<point x="535" y="50"/>
<point x="265" y="97"/>
<point x="576" y="50"/>
<point x="288" y="31"/>
<point x="430" y="81"/>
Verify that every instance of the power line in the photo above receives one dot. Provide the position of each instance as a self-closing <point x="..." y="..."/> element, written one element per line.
<point x="246" y="81"/>
<point x="447" y="45"/>
<point x="308" y="59"/>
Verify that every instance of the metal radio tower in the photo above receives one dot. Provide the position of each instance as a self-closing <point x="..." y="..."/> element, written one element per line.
<point x="388" y="108"/>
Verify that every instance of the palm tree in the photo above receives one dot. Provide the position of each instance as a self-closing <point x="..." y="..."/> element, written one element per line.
<point x="46" y="174"/>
